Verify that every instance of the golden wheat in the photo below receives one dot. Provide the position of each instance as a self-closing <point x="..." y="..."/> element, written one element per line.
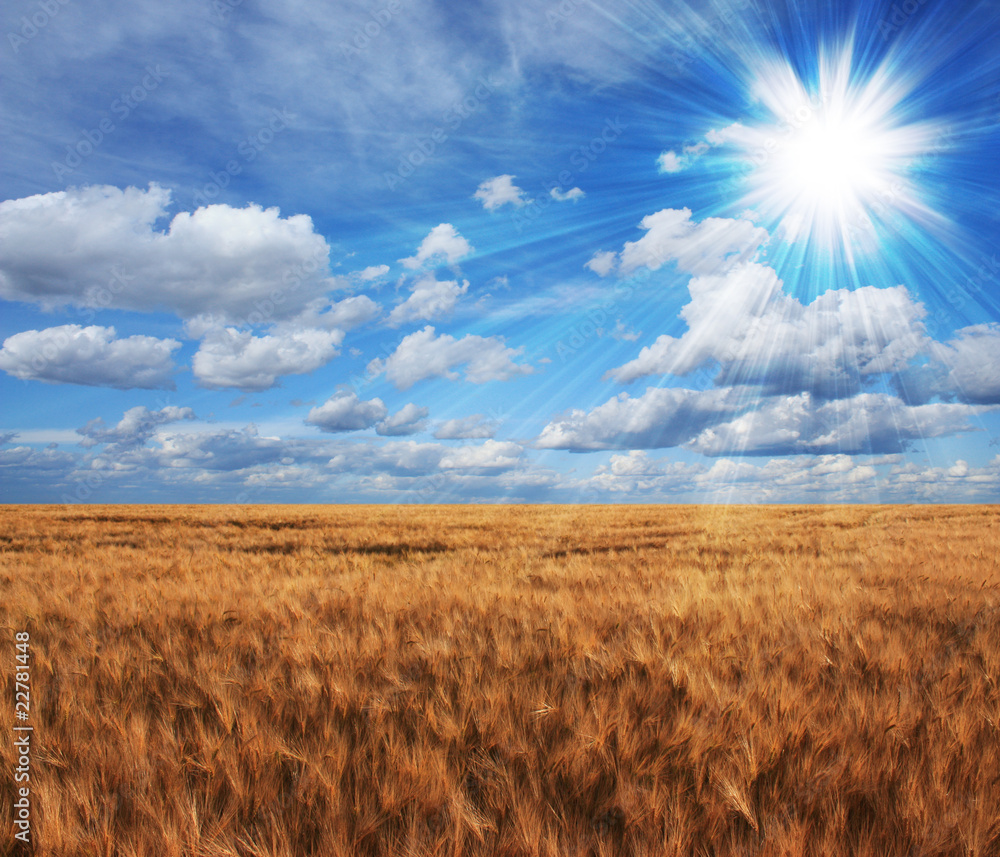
<point x="626" y="680"/>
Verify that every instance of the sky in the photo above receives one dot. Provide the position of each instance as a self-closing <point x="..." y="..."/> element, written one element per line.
<point x="412" y="251"/>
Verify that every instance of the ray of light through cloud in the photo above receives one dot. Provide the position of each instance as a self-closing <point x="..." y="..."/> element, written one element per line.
<point x="615" y="251"/>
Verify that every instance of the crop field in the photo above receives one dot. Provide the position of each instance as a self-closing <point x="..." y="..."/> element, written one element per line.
<point x="504" y="680"/>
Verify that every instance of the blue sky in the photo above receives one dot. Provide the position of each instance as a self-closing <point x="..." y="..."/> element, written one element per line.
<point x="409" y="251"/>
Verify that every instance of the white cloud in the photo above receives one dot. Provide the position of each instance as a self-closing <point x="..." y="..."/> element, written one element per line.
<point x="736" y="420"/>
<point x="602" y="262"/>
<point x="136" y="426"/>
<point x="344" y="411"/>
<point x="423" y="355"/>
<point x="572" y="195"/>
<point x="98" y="247"/>
<point x="229" y="357"/>
<point x="429" y="299"/>
<point x="343" y="314"/>
<point x="706" y="247"/>
<point x="92" y="356"/>
<point x="734" y="133"/>
<point x="499" y="191"/>
<point x="971" y="364"/>
<point x="744" y="323"/>
<point x="869" y="423"/>
<point x="489" y="455"/>
<point x="442" y="241"/>
<point x="661" y="417"/>
<point x="670" y="162"/>
<point x="201" y="453"/>
<point x="407" y="420"/>
<point x="464" y="428"/>
<point x="622" y="333"/>
<point x="936" y="484"/>
<point x="372" y="272"/>
<point x="636" y="473"/>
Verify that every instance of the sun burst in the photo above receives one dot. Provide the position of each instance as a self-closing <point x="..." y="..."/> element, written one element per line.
<point x="837" y="163"/>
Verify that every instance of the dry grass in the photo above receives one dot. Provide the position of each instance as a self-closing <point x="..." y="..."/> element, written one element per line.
<point x="507" y="680"/>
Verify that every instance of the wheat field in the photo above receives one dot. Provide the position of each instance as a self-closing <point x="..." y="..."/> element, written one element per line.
<point x="505" y="680"/>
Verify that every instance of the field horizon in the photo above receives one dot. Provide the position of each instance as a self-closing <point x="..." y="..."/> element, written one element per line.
<point x="505" y="680"/>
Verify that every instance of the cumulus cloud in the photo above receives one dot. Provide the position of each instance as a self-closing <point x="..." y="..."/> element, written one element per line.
<point x="463" y="428"/>
<point x="372" y="272"/>
<point x="425" y="355"/>
<point x="92" y="356"/>
<point x="970" y="364"/>
<point x="220" y="451"/>
<point x="869" y="423"/>
<point x="344" y="411"/>
<point x="571" y="195"/>
<point x="700" y="248"/>
<point x="670" y="162"/>
<point x="602" y="262"/>
<point x="637" y="473"/>
<point x="661" y="417"/>
<point x="27" y="471"/>
<point x="750" y="332"/>
<point x="731" y="420"/>
<point x="428" y="299"/>
<point x="743" y="322"/>
<point x="409" y="419"/>
<point x="499" y="191"/>
<point x="443" y="242"/>
<point x="136" y="426"/>
<point x="490" y="455"/>
<point x="945" y="483"/>
<point x="325" y="315"/>
<point x="229" y="357"/>
<point x="99" y="246"/>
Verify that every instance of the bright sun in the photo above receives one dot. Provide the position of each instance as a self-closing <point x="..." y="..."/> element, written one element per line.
<point x="835" y="163"/>
<point x="831" y="164"/>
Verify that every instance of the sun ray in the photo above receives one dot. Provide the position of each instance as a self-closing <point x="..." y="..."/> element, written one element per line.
<point x="833" y="160"/>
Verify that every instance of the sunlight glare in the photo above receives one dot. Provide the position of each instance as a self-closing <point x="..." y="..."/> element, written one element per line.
<point x="837" y="162"/>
